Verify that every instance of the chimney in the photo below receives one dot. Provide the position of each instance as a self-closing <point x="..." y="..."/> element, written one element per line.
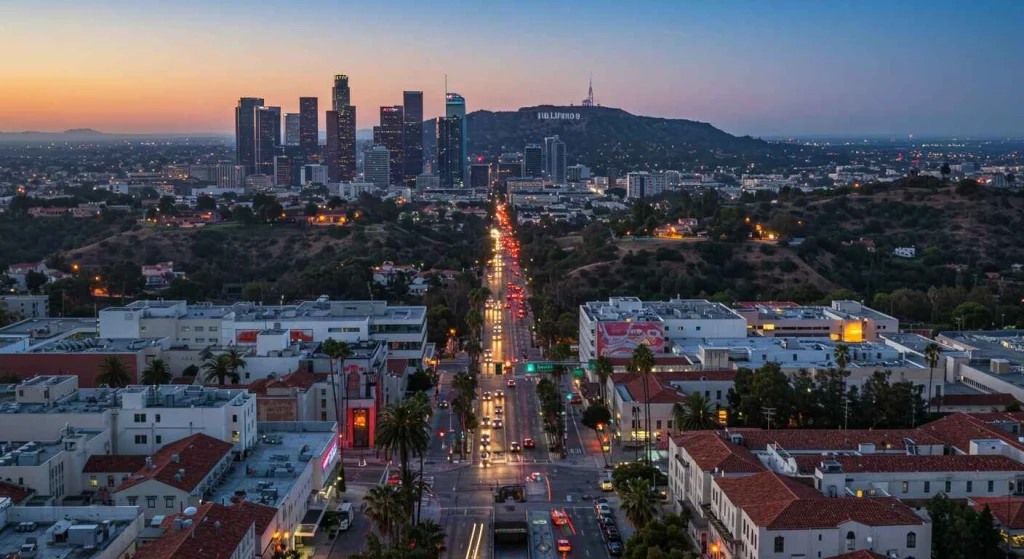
<point x="149" y="462"/>
<point x="216" y="525"/>
<point x="175" y="458"/>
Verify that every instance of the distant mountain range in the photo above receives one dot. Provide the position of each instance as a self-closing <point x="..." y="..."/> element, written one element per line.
<point x="604" y="136"/>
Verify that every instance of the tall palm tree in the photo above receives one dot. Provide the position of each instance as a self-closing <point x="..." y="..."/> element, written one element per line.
<point x="638" y="502"/>
<point x="474" y="320"/>
<point x="218" y="369"/>
<point x="236" y="362"/>
<point x="842" y="355"/>
<point x="421" y="405"/>
<point x="386" y="509"/>
<point x="156" y="373"/>
<point x="931" y="354"/>
<point x="113" y="372"/>
<point x="401" y="431"/>
<point x="339" y="352"/>
<point x="603" y="368"/>
<point x="695" y="415"/>
<point x="643" y="364"/>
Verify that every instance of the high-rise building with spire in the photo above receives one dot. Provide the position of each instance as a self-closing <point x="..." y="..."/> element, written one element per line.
<point x="455" y="106"/>
<point x="345" y="131"/>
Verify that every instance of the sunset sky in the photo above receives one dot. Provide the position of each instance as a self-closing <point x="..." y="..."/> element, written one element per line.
<point x="778" y="67"/>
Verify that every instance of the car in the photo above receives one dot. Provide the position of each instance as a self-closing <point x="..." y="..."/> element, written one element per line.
<point x="600" y="501"/>
<point x="559" y="517"/>
<point x="602" y="509"/>
<point x="487" y="396"/>
<point x="443" y="404"/>
<point x="511" y="383"/>
<point x="614" y="548"/>
<point x="486" y="436"/>
<point x="607" y="484"/>
<point x="514" y="447"/>
<point x="496" y="337"/>
<point x="612" y="534"/>
<point x="485" y="420"/>
<point x="528" y="443"/>
<point x="485" y="460"/>
<point x="536" y="477"/>
<point x="394" y="478"/>
<point x="499" y="396"/>
<point x="496" y="423"/>
<point x="564" y="546"/>
<point x="576" y="399"/>
<point x="498" y="410"/>
<point x="508" y="305"/>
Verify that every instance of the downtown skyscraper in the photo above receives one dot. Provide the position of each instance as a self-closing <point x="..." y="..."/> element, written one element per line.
<point x="341" y="133"/>
<point x="390" y="134"/>
<point x="291" y="129"/>
<point x="245" y="133"/>
<point x="309" y="129"/>
<point x="412" y="103"/>
<point x="450" y="161"/>
<point x="455" y="106"/>
<point x="268" y="138"/>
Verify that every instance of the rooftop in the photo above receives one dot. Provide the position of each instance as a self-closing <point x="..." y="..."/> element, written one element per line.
<point x="878" y="463"/>
<point x="82" y="529"/>
<point x="95" y="345"/>
<point x="98" y="400"/>
<point x="1009" y="511"/>
<point x="213" y="532"/>
<point x="269" y="472"/>
<point x="710" y="452"/>
<point x="836" y="440"/>
<point x="632" y="308"/>
<point x="16" y="493"/>
<point x="323" y="309"/>
<point x="182" y="464"/>
<point x="959" y="429"/>
<point x="809" y="352"/>
<point x="839" y="309"/>
<point x="43" y="328"/>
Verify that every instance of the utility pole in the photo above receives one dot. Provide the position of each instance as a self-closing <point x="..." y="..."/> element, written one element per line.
<point x="768" y="413"/>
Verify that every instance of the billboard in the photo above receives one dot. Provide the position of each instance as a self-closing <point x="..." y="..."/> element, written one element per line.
<point x="300" y="335"/>
<point x="619" y="339"/>
<point x="329" y="454"/>
<point x="246" y="336"/>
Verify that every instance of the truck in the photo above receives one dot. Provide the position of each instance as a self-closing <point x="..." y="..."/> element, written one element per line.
<point x="344" y="511"/>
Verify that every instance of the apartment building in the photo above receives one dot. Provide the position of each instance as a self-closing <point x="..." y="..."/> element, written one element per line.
<point x="58" y="532"/>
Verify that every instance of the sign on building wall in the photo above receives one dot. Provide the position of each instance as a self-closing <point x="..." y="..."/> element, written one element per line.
<point x="619" y="339"/>
<point x="300" y="335"/>
<point x="246" y="336"/>
<point x="276" y="410"/>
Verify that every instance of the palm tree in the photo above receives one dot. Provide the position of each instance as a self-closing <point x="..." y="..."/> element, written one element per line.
<point x="643" y="364"/>
<point x="603" y="368"/>
<point x="430" y="537"/>
<point x="386" y="509"/>
<point x="695" y="415"/>
<point x="402" y="430"/>
<point x="113" y="372"/>
<point x="218" y="369"/>
<point x="474" y="320"/>
<point x="842" y="355"/>
<point x="236" y="362"/>
<point x="638" y="502"/>
<point x="339" y="352"/>
<point x="156" y="373"/>
<point x="931" y="354"/>
<point x="421" y="405"/>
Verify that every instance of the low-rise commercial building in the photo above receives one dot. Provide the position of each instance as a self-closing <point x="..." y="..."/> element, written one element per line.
<point x="843" y="321"/>
<point x="48" y="532"/>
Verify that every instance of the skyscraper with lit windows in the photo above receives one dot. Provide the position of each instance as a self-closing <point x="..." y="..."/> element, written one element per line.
<point x="412" y="103"/>
<point x="455" y="106"/>
<point x="245" y="133"/>
<point x="390" y="134"/>
<point x="309" y="128"/>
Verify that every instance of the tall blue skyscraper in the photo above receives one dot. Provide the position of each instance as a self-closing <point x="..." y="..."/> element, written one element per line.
<point x="245" y="133"/>
<point x="455" y="106"/>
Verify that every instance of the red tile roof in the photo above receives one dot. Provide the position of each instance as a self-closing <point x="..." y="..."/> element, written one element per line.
<point x="1008" y="511"/>
<point x="926" y="463"/>
<point x="832" y="439"/>
<point x="709" y="451"/>
<point x="197" y="454"/>
<point x="203" y="538"/>
<point x="659" y="394"/>
<point x="397" y="366"/>
<point x="764" y="496"/>
<point x="994" y="400"/>
<point x="297" y="379"/>
<point x="959" y="429"/>
<point x="999" y="416"/>
<point x="16" y="493"/>
<point x="809" y="514"/>
<point x="261" y="514"/>
<point x="103" y="463"/>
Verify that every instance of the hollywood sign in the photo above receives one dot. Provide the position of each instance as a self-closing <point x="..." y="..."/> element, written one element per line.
<point x="557" y="116"/>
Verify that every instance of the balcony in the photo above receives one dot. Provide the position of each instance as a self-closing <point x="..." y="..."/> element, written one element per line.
<point x="735" y="546"/>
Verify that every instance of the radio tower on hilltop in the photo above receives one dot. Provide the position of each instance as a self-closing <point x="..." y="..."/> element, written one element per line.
<point x="589" y="101"/>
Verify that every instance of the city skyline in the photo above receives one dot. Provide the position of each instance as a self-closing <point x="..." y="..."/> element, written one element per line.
<point x="791" y="68"/>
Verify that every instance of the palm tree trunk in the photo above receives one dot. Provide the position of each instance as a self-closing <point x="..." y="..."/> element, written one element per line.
<point x="342" y="415"/>
<point x="647" y="419"/>
<point x="334" y="398"/>
<point x="929" y="399"/>
<point x="419" y="502"/>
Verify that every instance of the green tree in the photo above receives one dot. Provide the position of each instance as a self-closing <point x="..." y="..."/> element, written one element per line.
<point x="695" y="414"/>
<point x="595" y="414"/>
<point x="337" y="353"/>
<point x="970" y="314"/>
<point x="958" y="531"/>
<point x="236" y="362"/>
<point x="156" y="372"/>
<point x="638" y="502"/>
<point x="217" y="369"/>
<point x="666" y="536"/>
<point x="386" y="509"/>
<point x="191" y="371"/>
<point x="842" y="355"/>
<point x="402" y="430"/>
<point x="113" y="372"/>
<point x="34" y="280"/>
<point x="429" y="537"/>
<point x="206" y="203"/>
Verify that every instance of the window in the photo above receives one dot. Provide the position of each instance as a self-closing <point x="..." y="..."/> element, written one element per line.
<point x="949" y="486"/>
<point x="323" y="391"/>
<point x="213" y="328"/>
<point x="169" y="502"/>
<point x="199" y="328"/>
<point x="851" y="541"/>
<point x="140" y="418"/>
<point x="140" y="439"/>
<point x="133" y="501"/>
<point x="991" y="486"/>
<point x="186" y="328"/>
<point x="157" y="419"/>
<point x="698" y="328"/>
<point x="911" y="540"/>
<point x="906" y="487"/>
<point x="970" y="486"/>
<point x="110" y="481"/>
<point x="186" y="341"/>
<point x="234" y="418"/>
<point x="927" y="487"/>
<point x="323" y="402"/>
<point x="235" y="436"/>
<point x="657" y="424"/>
<point x="670" y="424"/>
<point x="151" y="502"/>
<point x="718" y="394"/>
<point x="200" y="340"/>
<point x="93" y="482"/>
<point x="159" y="439"/>
<point x="323" y="416"/>
<point x="780" y="544"/>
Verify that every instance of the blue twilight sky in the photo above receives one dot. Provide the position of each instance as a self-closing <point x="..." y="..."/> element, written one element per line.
<point x="779" y="67"/>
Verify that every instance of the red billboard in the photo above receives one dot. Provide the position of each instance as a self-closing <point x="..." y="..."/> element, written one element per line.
<point x="246" y="336"/>
<point x="301" y="335"/>
<point x="619" y="339"/>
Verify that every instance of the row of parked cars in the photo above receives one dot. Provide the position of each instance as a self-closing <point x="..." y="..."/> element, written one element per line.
<point x="609" y="528"/>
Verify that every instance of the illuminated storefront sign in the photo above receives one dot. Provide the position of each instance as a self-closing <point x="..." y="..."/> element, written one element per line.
<point x="329" y="455"/>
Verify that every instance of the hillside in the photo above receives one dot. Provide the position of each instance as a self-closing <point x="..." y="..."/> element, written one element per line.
<point x="603" y="136"/>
